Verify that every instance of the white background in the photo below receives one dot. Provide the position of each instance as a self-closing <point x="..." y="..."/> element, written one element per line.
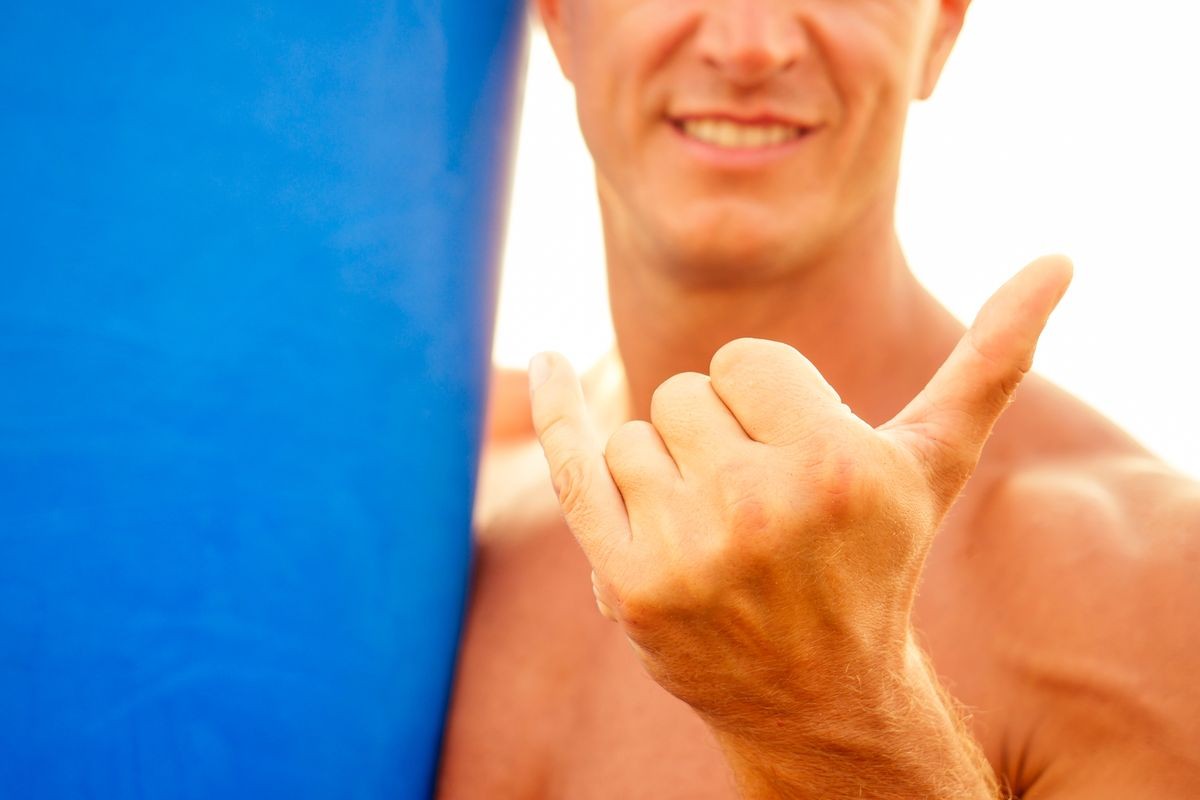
<point x="1059" y="126"/>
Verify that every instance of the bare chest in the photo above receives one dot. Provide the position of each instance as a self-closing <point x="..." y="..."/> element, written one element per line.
<point x="550" y="702"/>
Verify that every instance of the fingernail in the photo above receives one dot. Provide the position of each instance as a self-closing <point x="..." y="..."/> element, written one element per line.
<point x="539" y="371"/>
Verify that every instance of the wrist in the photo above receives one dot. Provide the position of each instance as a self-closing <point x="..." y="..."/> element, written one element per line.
<point x="886" y="732"/>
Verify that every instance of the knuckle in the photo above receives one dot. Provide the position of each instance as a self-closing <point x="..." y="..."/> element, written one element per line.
<point x="750" y="541"/>
<point x="606" y="612"/>
<point x="628" y="438"/>
<point x="648" y="603"/>
<point x="735" y="351"/>
<point x="570" y="480"/>
<point x="857" y="482"/>
<point x="749" y="510"/>
<point x="748" y="516"/>
<point x="554" y="432"/>
<point x="677" y="591"/>
<point x="637" y="607"/>
<point x="1007" y="372"/>
<point x="674" y="391"/>
<point x="729" y="357"/>
<point x="733" y="356"/>
<point x="842" y="478"/>
<point x="602" y="604"/>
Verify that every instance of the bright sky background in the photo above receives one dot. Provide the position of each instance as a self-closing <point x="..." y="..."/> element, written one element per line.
<point x="1059" y="126"/>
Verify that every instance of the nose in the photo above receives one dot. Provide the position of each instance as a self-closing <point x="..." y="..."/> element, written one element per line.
<point x="749" y="41"/>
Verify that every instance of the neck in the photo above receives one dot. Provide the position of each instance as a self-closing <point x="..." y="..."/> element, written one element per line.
<point x="858" y="314"/>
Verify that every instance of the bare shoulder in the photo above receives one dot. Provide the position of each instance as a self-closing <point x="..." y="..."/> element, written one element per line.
<point x="1069" y="492"/>
<point x="1084" y="554"/>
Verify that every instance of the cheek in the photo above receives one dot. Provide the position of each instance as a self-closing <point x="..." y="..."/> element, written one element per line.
<point x="870" y="36"/>
<point x="602" y="103"/>
<point x="868" y="52"/>
<point x="623" y="50"/>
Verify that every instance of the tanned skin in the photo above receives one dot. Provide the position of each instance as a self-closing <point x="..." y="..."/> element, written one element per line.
<point x="840" y="545"/>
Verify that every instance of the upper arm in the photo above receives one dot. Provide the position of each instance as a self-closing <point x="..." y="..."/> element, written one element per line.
<point x="1100" y="649"/>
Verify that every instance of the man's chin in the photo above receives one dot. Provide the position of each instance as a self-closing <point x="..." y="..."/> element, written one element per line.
<point x="728" y="257"/>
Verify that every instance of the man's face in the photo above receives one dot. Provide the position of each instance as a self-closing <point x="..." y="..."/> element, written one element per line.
<point x="747" y="133"/>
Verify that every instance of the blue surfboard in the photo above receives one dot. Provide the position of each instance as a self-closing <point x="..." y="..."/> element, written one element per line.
<point x="247" y="286"/>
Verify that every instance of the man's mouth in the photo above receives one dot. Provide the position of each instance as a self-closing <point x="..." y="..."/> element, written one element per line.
<point x="728" y="134"/>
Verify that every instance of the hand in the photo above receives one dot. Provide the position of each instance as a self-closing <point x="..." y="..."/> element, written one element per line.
<point x="756" y="540"/>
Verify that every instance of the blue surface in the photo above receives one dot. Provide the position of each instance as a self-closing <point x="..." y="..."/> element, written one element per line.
<point x="246" y="298"/>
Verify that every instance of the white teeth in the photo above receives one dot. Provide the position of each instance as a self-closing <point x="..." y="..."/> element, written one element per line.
<point x="726" y="133"/>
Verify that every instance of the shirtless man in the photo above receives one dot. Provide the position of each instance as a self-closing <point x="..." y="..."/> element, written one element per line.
<point x="801" y="595"/>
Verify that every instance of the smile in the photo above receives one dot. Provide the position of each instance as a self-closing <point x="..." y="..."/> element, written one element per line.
<point x="731" y="135"/>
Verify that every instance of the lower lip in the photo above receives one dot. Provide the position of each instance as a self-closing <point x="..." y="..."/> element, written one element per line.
<point x="744" y="158"/>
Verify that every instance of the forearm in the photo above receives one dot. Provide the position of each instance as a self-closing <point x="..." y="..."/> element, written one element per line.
<point x="899" y="737"/>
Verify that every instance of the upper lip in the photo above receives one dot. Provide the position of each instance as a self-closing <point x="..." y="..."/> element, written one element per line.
<point x="744" y="118"/>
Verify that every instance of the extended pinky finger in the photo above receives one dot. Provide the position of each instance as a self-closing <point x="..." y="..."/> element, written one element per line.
<point x="590" y="500"/>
